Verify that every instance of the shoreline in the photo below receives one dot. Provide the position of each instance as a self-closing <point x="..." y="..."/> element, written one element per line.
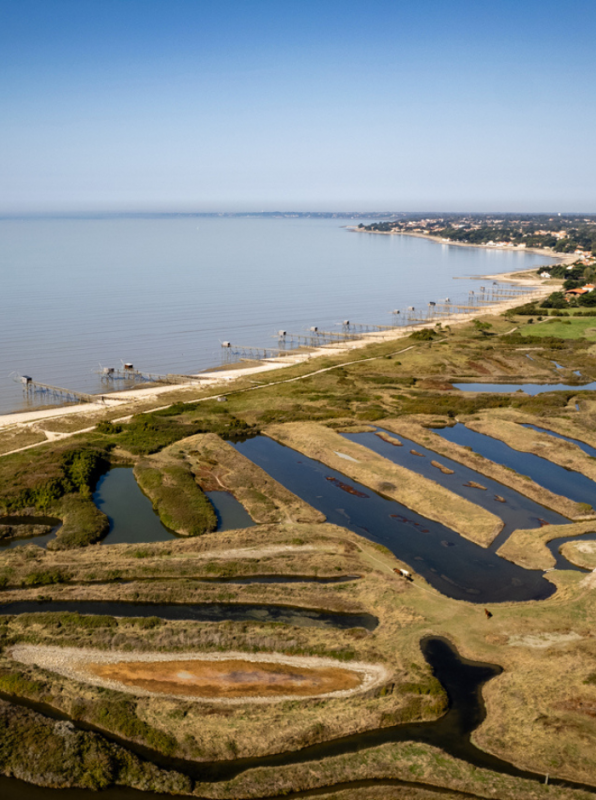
<point x="224" y="378"/>
<point x="566" y="258"/>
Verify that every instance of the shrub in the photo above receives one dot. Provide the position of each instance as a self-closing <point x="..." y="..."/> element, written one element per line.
<point x="109" y="428"/>
<point x="425" y="335"/>
<point x="46" y="577"/>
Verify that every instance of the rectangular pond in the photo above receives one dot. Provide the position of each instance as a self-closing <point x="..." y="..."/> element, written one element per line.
<point x="452" y="564"/>
<point x="551" y="476"/>
<point x="516" y="510"/>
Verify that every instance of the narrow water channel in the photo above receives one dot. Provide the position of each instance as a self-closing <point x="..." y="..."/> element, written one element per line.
<point x="199" y="612"/>
<point x="462" y="680"/>
<point x="551" y="476"/>
<point x="528" y="388"/>
<point x="231" y="515"/>
<point x="40" y="541"/>
<point x="517" y="511"/>
<point x="453" y="565"/>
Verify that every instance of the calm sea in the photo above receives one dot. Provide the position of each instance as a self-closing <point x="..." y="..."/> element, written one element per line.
<point x="163" y="293"/>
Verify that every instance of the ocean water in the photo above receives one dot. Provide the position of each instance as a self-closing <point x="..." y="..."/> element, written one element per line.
<point x="164" y="292"/>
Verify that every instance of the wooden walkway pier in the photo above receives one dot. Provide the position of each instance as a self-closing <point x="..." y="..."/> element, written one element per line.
<point x="59" y="392"/>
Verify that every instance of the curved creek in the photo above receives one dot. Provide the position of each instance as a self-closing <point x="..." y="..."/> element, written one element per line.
<point x="462" y="679"/>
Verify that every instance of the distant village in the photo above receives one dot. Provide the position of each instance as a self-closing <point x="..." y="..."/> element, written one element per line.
<point x="565" y="234"/>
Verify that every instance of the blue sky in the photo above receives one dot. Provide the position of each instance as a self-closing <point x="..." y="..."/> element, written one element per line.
<point x="252" y="105"/>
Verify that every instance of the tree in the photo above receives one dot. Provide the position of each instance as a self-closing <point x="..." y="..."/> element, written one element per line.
<point x="587" y="299"/>
<point x="555" y="300"/>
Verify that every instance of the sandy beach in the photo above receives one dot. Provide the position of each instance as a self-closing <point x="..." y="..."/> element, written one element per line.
<point x="565" y="258"/>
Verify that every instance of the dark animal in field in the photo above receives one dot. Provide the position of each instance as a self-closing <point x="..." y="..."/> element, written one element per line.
<point x="488" y="614"/>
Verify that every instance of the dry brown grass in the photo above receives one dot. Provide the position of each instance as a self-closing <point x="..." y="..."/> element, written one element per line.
<point x="410" y="762"/>
<point x="527" y="440"/>
<point x="16" y="437"/>
<point x="218" y="465"/>
<point x="527" y="709"/>
<point x="528" y="547"/>
<point x="583" y="554"/>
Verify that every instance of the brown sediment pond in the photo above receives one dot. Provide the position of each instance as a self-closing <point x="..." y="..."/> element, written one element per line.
<point x="238" y="678"/>
<point x="227" y="677"/>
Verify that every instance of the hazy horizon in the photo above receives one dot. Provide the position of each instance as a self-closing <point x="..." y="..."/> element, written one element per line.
<point x="340" y="213"/>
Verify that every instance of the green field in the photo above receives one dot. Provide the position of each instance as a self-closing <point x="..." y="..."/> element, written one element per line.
<point x="572" y="328"/>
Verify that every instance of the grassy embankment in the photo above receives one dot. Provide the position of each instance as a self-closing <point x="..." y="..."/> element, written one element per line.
<point x="38" y="750"/>
<point x="176" y="497"/>
<point x="216" y="465"/>
<point x="411" y="762"/>
<point x="583" y="554"/>
<point x="527" y="547"/>
<point x="526" y="440"/>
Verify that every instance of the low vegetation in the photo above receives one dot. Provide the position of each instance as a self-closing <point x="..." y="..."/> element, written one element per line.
<point x="179" y="501"/>
<point x="83" y="523"/>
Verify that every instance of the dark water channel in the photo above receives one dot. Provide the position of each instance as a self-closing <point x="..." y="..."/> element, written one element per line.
<point x="199" y="612"/>
<point x="555" y="545"/>
<point x="551" y="476"/>
<point x="231" y="515"/>
<point x="517" y="511"/>
<point x="463" y="681"/>
<point x="131" y="514"/>
<point x="528" y="388"/>
<point x="453" y="565"/>
<point x="40" y="541"/>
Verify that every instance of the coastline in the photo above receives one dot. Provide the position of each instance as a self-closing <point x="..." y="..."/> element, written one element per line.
<point x="567" y="258"/>
<point x="223" y="380"/>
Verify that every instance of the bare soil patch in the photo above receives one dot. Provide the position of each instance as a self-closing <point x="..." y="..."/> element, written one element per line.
<point x="238" y="678"/>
